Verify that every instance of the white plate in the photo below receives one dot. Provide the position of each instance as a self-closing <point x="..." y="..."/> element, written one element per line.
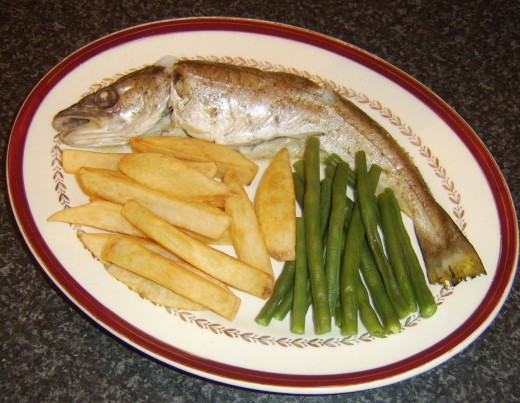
<point x="456" y="165"/>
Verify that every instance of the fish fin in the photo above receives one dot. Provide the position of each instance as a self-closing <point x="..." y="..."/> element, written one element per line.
<point x="452" y="262"/>
<point x="167" y="62"/>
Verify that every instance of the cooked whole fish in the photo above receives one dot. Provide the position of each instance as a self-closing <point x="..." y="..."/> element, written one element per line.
<point x="240" y="106"/>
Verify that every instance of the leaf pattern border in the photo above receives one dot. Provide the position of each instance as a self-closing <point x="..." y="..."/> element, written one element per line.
<point x="299" y="342"/>
<point x="267" y="340"/>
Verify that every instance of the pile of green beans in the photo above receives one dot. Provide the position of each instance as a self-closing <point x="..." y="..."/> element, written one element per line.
<point x="344" y="269"/>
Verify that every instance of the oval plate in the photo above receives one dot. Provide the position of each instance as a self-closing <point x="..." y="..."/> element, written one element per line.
<point x="453" y="160"/>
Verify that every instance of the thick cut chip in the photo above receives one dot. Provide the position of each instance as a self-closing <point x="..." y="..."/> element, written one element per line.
<point x="216" y="263"/>
<point x="207" y="168"/>
<point x="224" y="240"/>
<point x="103" y="184"/>
<point x="152" y="291"/>
<point x="199" y="150"/>
<point x="95" y="242"/>
<point x="99" y="214"/>
<point x="244" y="229"/>
<point x="73" y="160"/>
<point x="138" y="259"/>
<point x="172" y="176"/>
<point x="276" y="209"/>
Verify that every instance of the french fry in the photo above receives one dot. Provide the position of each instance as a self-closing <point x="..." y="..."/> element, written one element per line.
<point x="226" y="268"/>
<point x="225" y="239"/>
<point x="172" y="177"/>
<point x="217" y="203"/>
<point x="209" y="222"/>
<point x="72" y="160"/>
<point x="206" y="168"/>
<point x="95" y="242"/>
<point x="152" y="291"/>
<point x="99" y="214"/>
<point x="138" y="259"/>
<point x="244" y="228"/>
<point x="275" y="207"/>
<point x="199" y="150"/>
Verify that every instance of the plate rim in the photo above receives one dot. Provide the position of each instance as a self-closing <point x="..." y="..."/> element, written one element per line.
<point x="465" y="334"/>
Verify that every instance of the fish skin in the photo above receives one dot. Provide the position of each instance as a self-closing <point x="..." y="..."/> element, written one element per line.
<point x="234" y="105"/>
<point x="139" y="100"/>
<point x="239" y="106"/>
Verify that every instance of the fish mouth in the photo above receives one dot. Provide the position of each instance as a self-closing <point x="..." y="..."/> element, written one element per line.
<point x="71" y="123"/>
<point x="66" y="123"/>
<point x="85" y="131"/>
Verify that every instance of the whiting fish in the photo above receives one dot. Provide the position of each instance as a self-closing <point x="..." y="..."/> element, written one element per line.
<point x="243" y="106"/>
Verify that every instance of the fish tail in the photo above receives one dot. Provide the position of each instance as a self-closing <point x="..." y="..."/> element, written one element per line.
<point x="452" y="260"/>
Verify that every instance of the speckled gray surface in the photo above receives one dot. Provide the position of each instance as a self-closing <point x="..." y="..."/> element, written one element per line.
<point x="468" y="53"/>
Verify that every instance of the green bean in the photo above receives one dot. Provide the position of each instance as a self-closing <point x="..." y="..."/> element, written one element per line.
<point x="376" y="288"/>
<point x="370" y="220"/>
<point x="338" y="315"/>
<point x="349" y="208"/>
<point x="366" y="313"/>
<point x="325" y="205"/>
<point x="301" y="280"/>
<point x="423" y="294"/>
<point x="332" y="160"/>
<point x="285" y="305"/>
<point x="350" y="273"/>
<point x="330" y="170"/>
<point x="281" y="287"/>
<point x="335" y="234"/>
<point x="299" y="189"/>
<point x="355" y="237"/>
<point x="373" y="177"/>
<point x="322" y="318"/>
<point x="299" y="168"/>
<point x="394" y="249"/>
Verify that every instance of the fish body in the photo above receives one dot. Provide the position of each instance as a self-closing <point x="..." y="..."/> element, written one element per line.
<point x="241" y="106"/>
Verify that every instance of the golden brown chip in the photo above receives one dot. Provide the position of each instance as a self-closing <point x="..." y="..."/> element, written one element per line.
<point x="142" y="261"/>
<point x="216" y="263"/>
<point x="199" y="150"/>
<point x="72" y="160"/>
<point x="203" y="220"/>
<point x="244" y="229"/>
<point x="99" y="214"/>
<point x="95" y="242"/>
<point x="276" y="209"/>
<point x="172" y="177"/>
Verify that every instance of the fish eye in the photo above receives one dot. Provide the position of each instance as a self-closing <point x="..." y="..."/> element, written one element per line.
<point x="106" y="97"/>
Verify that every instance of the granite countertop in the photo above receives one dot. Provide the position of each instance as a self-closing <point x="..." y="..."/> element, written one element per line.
<point x="466" y="52"/>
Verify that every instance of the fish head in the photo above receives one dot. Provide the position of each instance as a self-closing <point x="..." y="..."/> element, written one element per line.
<point x="128" y="107"/>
